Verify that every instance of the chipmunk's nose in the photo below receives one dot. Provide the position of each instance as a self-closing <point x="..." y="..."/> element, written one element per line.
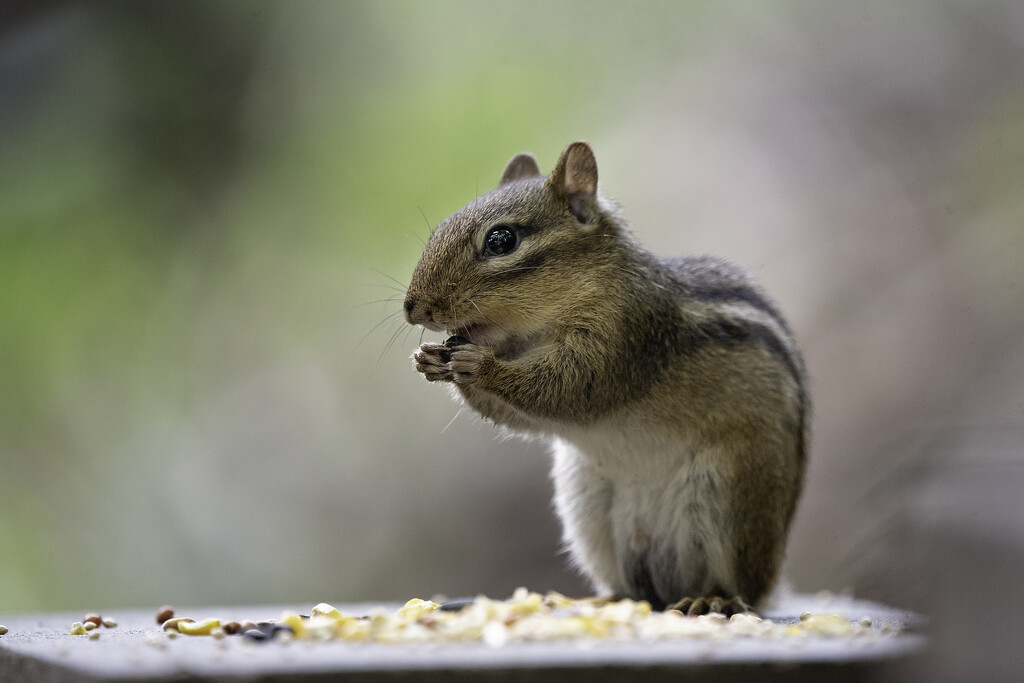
<point x="416" y="311"/>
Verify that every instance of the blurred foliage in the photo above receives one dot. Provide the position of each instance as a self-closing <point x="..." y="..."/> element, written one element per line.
<point x="185" y="190"/>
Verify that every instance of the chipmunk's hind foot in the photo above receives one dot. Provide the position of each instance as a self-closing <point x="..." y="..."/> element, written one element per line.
<point x="712" y="604"/>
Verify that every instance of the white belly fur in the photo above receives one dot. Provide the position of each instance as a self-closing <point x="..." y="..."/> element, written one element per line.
<point x="632" y="502"/>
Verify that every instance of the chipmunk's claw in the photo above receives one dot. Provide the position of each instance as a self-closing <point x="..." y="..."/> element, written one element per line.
<point x="432" y="361"/>
<point x="467" y="362"/>
<point x="711" y="604"/>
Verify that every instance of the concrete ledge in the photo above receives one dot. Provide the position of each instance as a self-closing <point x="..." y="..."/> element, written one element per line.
<point x="39" y="648"/>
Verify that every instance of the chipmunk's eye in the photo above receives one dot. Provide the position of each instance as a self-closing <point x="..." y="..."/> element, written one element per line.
<point x="500" y="240"/>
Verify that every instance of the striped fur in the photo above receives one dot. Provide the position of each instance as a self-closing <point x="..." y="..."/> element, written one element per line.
<point x="672" y="390"/>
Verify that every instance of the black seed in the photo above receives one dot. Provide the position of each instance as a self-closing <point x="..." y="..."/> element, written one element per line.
<point x="450" y="343"/>
<point x="256" y="634"/>
<point x="456" y="605"/>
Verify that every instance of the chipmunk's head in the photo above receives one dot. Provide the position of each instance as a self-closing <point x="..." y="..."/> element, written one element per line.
<point x="504" y="269"/>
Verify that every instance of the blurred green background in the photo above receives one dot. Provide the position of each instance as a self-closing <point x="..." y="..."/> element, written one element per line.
<point x="208" y="211"/>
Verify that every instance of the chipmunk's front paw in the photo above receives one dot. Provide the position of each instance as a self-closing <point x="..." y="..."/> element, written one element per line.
<point x="432" y="361"/>
<point x="469" y="362"/>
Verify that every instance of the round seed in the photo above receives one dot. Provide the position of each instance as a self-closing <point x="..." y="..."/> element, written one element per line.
<point x="109" y="623"/>
<point x="231" y="627"/>
<point x="3" y="630"/>
<point x="89" y="625"/>
<point x="93" y="618"/>
<point x="164" y="613"/>
<point x="95" y="635"/>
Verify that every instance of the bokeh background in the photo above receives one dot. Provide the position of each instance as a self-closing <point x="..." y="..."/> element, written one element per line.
<point x="208" y="211"/>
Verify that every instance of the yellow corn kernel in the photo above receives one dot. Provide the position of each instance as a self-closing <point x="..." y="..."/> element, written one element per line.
<point x="526" y="603"/>
<point x="77" y="629"/>
<point x="295" y="622"/>
<point x="325" y="610"/>
<point x="830" y="625"/>
<point x="351" y="628"/>
<point x="416" y="608"/>
<point x="200" y="628"/>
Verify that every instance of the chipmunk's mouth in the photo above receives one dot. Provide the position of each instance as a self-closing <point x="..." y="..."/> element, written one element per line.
<point x="477" y="334"/>
<point x="505" y="346"/>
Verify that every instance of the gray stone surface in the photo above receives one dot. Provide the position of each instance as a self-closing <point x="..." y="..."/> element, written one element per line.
<point x="39" y="648"/>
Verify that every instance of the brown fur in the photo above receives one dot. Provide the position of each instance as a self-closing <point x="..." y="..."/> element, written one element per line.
<point x="579" y="332"/>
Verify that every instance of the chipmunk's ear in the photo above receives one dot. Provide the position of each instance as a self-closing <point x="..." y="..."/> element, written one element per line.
<point x="575" y="180"/>
<point x="520" y="166"/>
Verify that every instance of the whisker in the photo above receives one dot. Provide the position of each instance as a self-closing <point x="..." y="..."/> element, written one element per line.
<point x="513" y="270"/>
<point x="486" y="318"/>
<point x="383" y="274"/>
<point x="430" y="229"/>
<point x="452" y="421"/>
<point x="400" y="290"/>
<point x="387" y="348"/>
<point x="378" y="301"/>
<point x="508" y="297"/>
<point x="391" y="342"/>
<point x="390" y="318"/>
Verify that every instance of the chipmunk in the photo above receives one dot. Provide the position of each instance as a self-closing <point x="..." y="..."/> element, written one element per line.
<point x="672" y="390"/>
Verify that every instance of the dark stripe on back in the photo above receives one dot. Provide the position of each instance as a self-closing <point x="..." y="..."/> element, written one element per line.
<point x="742" y="293"/>
<point x="729" y="332"/>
